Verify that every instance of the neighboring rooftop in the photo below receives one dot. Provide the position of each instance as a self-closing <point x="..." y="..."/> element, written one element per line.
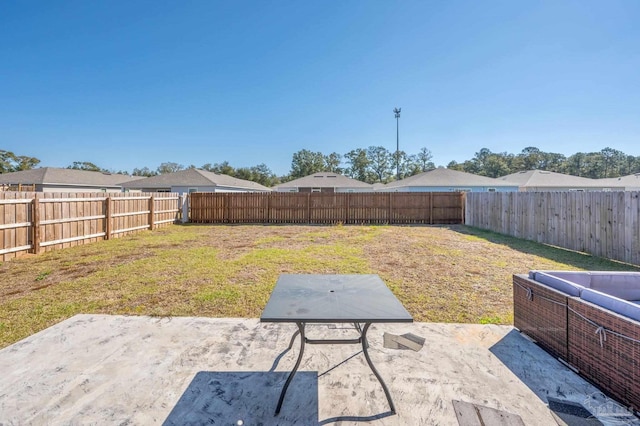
<point x="629" y="182"/>
<point x="324" y="180"/>
<point x="546" y="179"/>
<point x="442" y="177"/>
<point x="195" y="178"/>
<point x="67" y="177"/>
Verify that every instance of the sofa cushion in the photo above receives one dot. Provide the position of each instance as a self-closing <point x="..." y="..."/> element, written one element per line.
<point x="622" y="307"/>
<point x="624" y="285"/>
<point x="560" y="284"/>
<point x="582" y="278"/>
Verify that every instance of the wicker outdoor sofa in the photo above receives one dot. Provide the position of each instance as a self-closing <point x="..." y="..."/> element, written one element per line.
<point x="590" y="320"/>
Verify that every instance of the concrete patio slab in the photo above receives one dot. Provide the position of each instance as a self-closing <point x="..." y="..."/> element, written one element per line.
<point x="101" y="369"/>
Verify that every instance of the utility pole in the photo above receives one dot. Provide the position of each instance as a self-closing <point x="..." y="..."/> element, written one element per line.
<point x="397" y="112"/>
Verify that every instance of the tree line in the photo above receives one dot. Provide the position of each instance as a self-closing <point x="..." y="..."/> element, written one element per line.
<point x="606" y="163"/>
<point x="372" y="165"/>
<point x="377" y="164"/>
<point x="10" y="162"/>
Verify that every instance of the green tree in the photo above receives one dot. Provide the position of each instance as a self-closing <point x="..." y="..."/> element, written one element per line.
<point x="220" y="168"/>
<point x="631" y="165"/>
<point x="263" y="175"/>
<point x="86" y="165"/>
<point x="592" y="165"/>
<point x="407" y="165"/>
<point x="574" y="164"/>
<point x="244" y="173"/>
<point x="332" y="163"/>
<point x="477" y="164"/>
<point x="470" y="166"/>
<point x="612" y="161"/>
<point x="496" y="165"/>
<point x="145" y="171"/>
<point x="552" y="162"/>
<point x="380" y="161"/>
<point x="454" y="165"/>
<point x="25" y="163"/>
<point x="413" y="165"/>
<point x="490" y="164"/>
<point x="305" y="163"/>
<point x="169" y="167"/>
<point x="9" y="162"/>
<point x="423" y="159"/>
<point x="531" y="158"/>
<point x="358" y="164"/>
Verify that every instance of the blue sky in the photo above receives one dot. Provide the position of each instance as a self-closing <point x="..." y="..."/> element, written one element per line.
<point x="127" y="84"/>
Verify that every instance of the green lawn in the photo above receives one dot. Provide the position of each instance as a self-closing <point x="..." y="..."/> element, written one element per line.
<point x="441" y="274"/>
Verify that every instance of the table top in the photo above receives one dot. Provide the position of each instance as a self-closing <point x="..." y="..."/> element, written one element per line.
<point x="333" y="298"/>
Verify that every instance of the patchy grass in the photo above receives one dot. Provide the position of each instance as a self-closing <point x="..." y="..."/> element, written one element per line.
<point x="441" y="274"/>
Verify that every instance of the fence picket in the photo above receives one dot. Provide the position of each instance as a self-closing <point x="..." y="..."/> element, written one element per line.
<point x="328" y="208"/>
<point x="51" y="221"/>
<point x="604" y="224"/>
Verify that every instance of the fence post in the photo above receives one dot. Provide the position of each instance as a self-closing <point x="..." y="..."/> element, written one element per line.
<point x="431" y="208"/>
<point x="268" y="217"/>
<point x="389" y="210"/>
<point x="107" y="220"/>
<point x="185" y="207"/>
<point x="225" y="214"/>
<point x="152" y="211"/>
<point x="309" y="208"/>
<point x="346" y="211"/>
<point x="35" y="219"/>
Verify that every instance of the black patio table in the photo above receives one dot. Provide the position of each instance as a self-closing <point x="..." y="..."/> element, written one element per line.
<point x="310" y="298"/>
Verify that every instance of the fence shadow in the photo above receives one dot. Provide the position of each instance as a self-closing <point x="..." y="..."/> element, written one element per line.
<point x="248" y="398"/>
<point x="557" y="254"/>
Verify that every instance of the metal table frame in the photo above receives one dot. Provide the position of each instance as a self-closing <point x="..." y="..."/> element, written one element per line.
<point x="362" y="339"/>
<point x="360" y="300"/>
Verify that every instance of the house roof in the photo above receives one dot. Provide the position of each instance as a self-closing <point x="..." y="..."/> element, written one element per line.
<point x="194" y="178"/>
<point x="543" y="178"/>
<point x="447" y="177"/>
<point x="629" y="181"/>
<point x="58" y="176"/>
<point x="324" y="180"/>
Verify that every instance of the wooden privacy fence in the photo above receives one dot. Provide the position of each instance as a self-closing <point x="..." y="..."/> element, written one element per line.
<point x="326" y="208"/>
<point x="33" y="222"/>
<point x="604" y="224"/>
<point x="16" y="187"/>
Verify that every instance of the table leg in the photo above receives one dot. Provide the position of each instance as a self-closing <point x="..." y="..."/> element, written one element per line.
<point x="359" y="329"/>
<point x="366" y="355"/>
<point x="295" y="368"/>
<point x="293" y="339"/>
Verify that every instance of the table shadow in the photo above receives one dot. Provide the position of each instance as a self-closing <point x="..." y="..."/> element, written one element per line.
<point x="250" y="397"/>
<point x="357" y="418"/>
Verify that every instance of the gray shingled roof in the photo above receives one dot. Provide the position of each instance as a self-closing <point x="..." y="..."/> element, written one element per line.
<point x="542" y="178"/>
<point x="194" y="177"/>
<point x="447" y="177"/>
<point x="324" y="180"/>
<point x="54" y="175"/>
<point x="629" y="181"/>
